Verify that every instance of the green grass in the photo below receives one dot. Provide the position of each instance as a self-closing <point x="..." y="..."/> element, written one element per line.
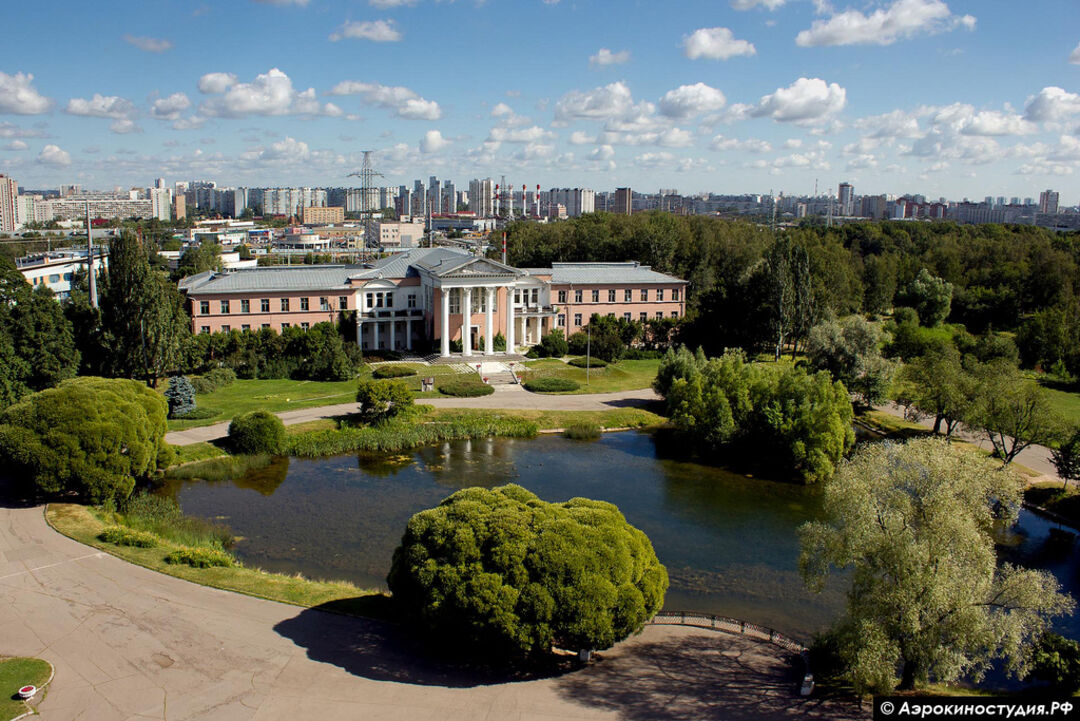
<point x="558" y="420"/>
<point x="196" y="452"/>
<point x="14" y="674"/>
<point x="83" y="524"/>
<point x="1065" y="403"/>
<point x="275" y="396"/>
<point x="222" y="468"/>
<point x="622" y="376"/>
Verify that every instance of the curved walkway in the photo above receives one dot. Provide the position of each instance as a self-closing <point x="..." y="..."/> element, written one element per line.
<point x="504" y="397"/>
<point x="129" y="643"/>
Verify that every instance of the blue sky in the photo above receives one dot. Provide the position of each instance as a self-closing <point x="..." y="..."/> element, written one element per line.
<point x="944" y="97"/>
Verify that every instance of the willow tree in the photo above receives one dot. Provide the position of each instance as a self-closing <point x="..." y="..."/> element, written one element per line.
<point x="928" y="601"/>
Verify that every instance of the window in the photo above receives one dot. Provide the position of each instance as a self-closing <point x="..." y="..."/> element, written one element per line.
<point x="577" y="319"/>
<point x="627" y="295"/>
<point x="304" y="304"/>
<point x="285" y="307"/>
<point x="224" y="306"/>
<point x="245" y="328"/>
<point x="610" y="315"/>
<point x="611" y="296"/>
<point x="284" y="326"/>
<point x="265" y="325"/>
<point x="226" y="328"/>
<point x="596" y="296"/>
<point x="644" y="293"/>
<point x="517" y="297"/>
<point x="54" y="278"/>
<point x="324" y="304"/>
<point x="674" y="293"/>
<point x="68" y="276"/>
<point x="412" y="300"/>
<point x="305" y="326"/>
<point x="659" y="314"/>
<point x="455" y="300"/>
<point x="577" y="296"/>
<point x="204" y="329"/>
<point x="245" y="306"/>
<point x="674" y="314"/>
<point x="264" y="305"/>
<point x="343" y="302"/>
<point x="389" y="300"/>
<point x="370" y="303"/>
<point x="204" y="307"/>
<point x="643" y="316"/>
<point x="562" y="296"/>
<point x="659" y="293"/>
<point x="626" y="316"/>
<point x="562" y="320"/>
<point x="536" y="296"/>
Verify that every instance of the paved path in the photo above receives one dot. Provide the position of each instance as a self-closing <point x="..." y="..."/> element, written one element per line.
<point x="128" y="643"/>
<point x="504" y="397"/>
<point x="1037" y="458"/>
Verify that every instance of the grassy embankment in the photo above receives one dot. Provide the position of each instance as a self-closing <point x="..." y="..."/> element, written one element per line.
<point x="622" y="376"/>
<point x="14" y="674"/>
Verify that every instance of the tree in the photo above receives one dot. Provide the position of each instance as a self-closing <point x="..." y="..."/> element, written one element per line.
<point x="1066" y="457"/>
<point x="502" y="573"/>
<point x="180" y="396"/>
<point x="609" y="337"/>
<point x="1010" y="410"/>
<point x="938" y="385"/>
<point x="199" y="259"/>
<point x="850" y="351"/>
<point x="382" y="399"/>
<point x="791" y="293"/>
<point x="553" y="345"/>
<point x="930" y="296"/>
<point x="88" y="436"/>
<point x="1056" y="660"/>
<point x="912" y="524"/>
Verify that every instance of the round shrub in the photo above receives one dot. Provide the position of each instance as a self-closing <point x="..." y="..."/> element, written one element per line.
<point x="503" y="573"/>
<point x="464" y="388"/>
<point x="393" y="372"/>
<point x="201" y="385"/>
<point x="221" y="377"/>
<point x="88" y="436"/>
<point x="588" y="362"/>
<point x="257" y="432"/>
<point x="551" y="384"/>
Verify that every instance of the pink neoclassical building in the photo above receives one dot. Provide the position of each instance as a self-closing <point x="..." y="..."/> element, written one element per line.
<point x="429" y="296"/>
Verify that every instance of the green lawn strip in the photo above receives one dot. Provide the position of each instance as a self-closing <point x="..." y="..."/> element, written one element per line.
<point x="622" y="376"/>
<point x="83" y="525"/>
<point x="557" y="420"/>
<point x="196" y="452"/>
<point x="1065" y="403"/>
<point x="269" y="395"/>
<point x="14" y="674"/>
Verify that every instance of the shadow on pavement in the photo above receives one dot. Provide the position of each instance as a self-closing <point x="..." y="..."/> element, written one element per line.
<point x="693" y="677"/>
<point x="384" y="651"/>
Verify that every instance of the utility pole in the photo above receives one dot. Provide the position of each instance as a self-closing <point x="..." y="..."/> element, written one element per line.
<point x="588" y="352"/>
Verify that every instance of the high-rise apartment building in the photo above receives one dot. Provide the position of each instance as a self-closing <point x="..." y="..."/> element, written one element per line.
<point x="159" y="183"/>
<point x="1048" y="202"/>
<point x="577" y="201"/>
<point x="161" y="202"/>
<point x="179" y="206"/>
<point x="449" y="194"/>
<point x="482" y="197"/>
<point x="623" y="203"/>
<point x="419" y="198"/>
<point x="9" y="192"/>
<point x="847" y="199"/>
<point x="434" y="194"/>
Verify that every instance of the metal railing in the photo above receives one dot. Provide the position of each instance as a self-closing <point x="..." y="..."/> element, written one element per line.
<point x="724" y="623"/>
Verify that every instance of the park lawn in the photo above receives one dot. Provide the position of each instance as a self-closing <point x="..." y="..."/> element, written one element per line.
<point x="14" y="674"/>
<point x="557" y="420"/>
<point x="625" y="375"/>
<point x="82" y="524"/>
<point x="196" y="452"/>
<point x="274" y="395"/>
<point x="1065" y="403"/>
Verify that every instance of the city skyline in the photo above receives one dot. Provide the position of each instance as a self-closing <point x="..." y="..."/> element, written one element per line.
<point x="948" y="99"/>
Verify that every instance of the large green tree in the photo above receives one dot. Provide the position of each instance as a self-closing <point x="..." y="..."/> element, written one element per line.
<point x="501" y="573"/>
<point x="912" y="525"/>
<point x="1011" y="411"/>
<point x="937" y="384"/>
<point x="930" y="296"/>
<point x="851" y="351"/>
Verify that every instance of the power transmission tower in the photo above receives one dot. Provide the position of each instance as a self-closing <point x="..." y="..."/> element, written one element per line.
<point x="367" y="174"/>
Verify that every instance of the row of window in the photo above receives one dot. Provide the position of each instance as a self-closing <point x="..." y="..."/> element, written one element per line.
<point x="385" y="300"/>
<point x="264" y="305"/>
<point x="628" y="295"/>
<point x="642" y="316"/>
<point x="54" y="278"/>
<point x="205" y="329"/>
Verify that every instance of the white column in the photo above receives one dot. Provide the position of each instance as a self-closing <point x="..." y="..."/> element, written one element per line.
<point x="359" y="332"/>
<point x="445" y="331"/>
<point x="393" y="329"/>
<point x="408" y="334"/>
<point x="375" y="336"/>
<point x="489" y="323"/>
<point x="466" y="321"/>
<point x="509" y="319"/>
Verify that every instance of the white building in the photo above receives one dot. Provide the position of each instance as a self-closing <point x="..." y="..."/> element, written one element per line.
<point x="57" y="268"/>
<point x="482" y="197"/>
<point x="9" y="192"/>
<point x="161" y="202"/>
<point x="577" y="201"/>
<point x="399" y="235"/>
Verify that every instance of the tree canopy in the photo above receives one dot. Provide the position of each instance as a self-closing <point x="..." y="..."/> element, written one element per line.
<point x="503" y="573"/>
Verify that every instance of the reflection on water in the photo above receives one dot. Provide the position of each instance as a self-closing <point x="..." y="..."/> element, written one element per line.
<point x="729" y="541"/>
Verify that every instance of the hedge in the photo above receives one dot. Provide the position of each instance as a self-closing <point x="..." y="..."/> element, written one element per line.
<point x="587" y="362"/>
<point x="551" y="384"/>
<point x="121" y="536"/>
<point x="257" y="432"/>
<point x="463" y="388"/>
<point x="201" y="557"/>
<point x="393" y="372"/>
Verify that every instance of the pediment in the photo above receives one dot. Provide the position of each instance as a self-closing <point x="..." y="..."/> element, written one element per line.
<point x="480" y="268"/>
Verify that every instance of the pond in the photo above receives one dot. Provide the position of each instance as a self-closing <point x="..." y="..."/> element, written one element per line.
<point x="729" y="541"/>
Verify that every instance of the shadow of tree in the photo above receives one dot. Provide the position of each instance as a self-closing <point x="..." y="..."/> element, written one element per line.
<point x="384" y="651"/>
<point x="691" y="675"/>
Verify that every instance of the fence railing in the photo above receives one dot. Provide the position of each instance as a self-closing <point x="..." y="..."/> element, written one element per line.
<point x="724" y="623"/>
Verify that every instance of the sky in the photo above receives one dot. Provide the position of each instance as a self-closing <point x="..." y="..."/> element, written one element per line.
<point x="952" y="98"/>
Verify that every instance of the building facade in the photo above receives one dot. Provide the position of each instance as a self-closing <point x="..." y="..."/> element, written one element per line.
<point x="314" y="215"/>
<point x="427" y="297"/>
<point x="9" y="193"/>
<point x="623" y="204"/>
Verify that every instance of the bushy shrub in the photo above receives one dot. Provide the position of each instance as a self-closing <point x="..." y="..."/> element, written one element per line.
<point x="464" y="387"/>
<point x="583" y="431"/>
<point x="456" y="346"/>
<point x="533" y="353"/>
<point x="1056" y="660"/>
<point x="500" y="572"/>
<point x="201" y="385"/>
<point x="121" y="536"/>
<point x="257" y="432"/>
<point x="577" y="343"/>
<point x="587" y="362"/>
<point x="551" y="384"/>
<point x="201" y="558"/>
<point x="180" y="395"/>
<point x="383" y="399"/>
<point x="554" y="345"/>
<point x="88" y="436"/>
<point x="221" y="377"/>
<point x="393" y="372"/>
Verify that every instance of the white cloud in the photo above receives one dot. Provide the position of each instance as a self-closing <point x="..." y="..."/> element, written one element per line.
<point x="884" y="26"/>
<point x="271" y="93"/>
<point x="101" y="106"/>
<point x="532" y="134"/>
<point x="668" y="161"/>
<point x="865" y="160"/>
<point x="432" y="142"/>
<point x="170" y="108"/>
<point x="17" y="145"/>
<point x="123" y="126"/>
<point x="596" y="104"/>
<point x="807" y="99"/>
<point x="379" y="31"/>
<point x="150" y="45"/>
<point x="687" y="101"/>
<point x="716" y="44"/>
<point x="751" y="4"/>
<point x="10" y="130"/>
<point x="282" y="152"/>
<point x="1074" y="56"/>
<point x="1050" y="105"/>
<point x="813" y="159"/>
<point x="18" y="95"/>
<point x="53" y="155"/>
<point x="602" y="153"/>
<point x="404" y="102"/>
<point x="897" y="124"/>
<point x="580" y="137"/>
<point x="606" y="57"/>
<point x="993" y="122"/>
<point x="791" y="143"/>
<point x="749" y="145"/>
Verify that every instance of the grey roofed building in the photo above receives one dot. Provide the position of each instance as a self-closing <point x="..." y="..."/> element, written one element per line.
<point x="620" y="272"/>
